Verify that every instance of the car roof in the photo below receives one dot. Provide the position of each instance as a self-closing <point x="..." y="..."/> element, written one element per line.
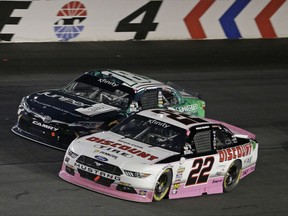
<point x="132" y="80"/>
<point x="165" y="116"/>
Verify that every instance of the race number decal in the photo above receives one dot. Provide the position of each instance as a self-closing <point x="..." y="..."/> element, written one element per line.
<point x="200" y="171"/>
<point x="142" y="29"/>
<point x="181" y="117"/>
<point x="129" y="79"/>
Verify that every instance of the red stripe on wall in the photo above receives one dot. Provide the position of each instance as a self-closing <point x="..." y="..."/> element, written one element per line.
<point x="192" y="20"/>
<point x="263" y="19"/>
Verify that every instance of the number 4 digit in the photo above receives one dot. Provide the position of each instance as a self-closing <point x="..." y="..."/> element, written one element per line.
<point x="142" y="29"/>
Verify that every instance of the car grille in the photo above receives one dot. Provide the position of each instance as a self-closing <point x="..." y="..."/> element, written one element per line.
<point x="105" y="167"/>
<point x="90" y="176"/>
<point x="62" y="136"/>
<point x="108" y="168"/>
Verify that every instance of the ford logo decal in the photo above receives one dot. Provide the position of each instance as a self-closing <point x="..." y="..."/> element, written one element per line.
<point x="100" y="158"/>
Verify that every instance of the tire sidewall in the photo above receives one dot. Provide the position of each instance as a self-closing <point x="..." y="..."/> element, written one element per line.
<point x="168" y="173"/>
<point x="229" y="188"/>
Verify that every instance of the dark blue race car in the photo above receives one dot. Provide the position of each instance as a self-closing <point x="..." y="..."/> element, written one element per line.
<point x="95" y="101"/>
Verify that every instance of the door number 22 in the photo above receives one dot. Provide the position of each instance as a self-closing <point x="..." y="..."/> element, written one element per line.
<point x="200" y="171"/>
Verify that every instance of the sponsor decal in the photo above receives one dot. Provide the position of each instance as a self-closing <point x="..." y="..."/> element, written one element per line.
<point x="100" y="158"/>
<point x="53" y="107"/>
<point x="131" y="144"/>
<point x="113" y="84"/>
<point x="176" y="185"/>
<point x="174" y="191"/>
<point x="179" y="175"/>
<point x="234" y="152"/>
<point x="64" y="99"/>
<point x="142" y="192"/>
<point x="125" y="148"/>
<point x="45" y="126"/>
<point x="161" y="124"/>
<point x="248" y="160"/>
<point x="112" y="150"/>
<point x="70" y="17"/>
<point x="105" y="153"/>
<point x="97" y="172"/>
<point x="187" y="108"/>
<point x="96" y="109"/>
<point x="180" y="169"/>
<point x="215" y="181"/>
<point x="202" y="127"/>
<point x="247" y="171"/>
<point x="178" y="178"/>
<point x="219" y="173"/>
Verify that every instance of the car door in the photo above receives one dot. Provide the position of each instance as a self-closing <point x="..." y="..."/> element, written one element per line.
<point x="198" y="170"/>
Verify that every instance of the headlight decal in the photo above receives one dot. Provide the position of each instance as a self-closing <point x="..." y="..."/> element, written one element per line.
<point x="136" y="174"/>
<point x="86" y="124"/>
<point x="72" y="154"/>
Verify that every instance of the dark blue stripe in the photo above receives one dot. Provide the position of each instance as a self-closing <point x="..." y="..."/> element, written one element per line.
<point x="228" y="19"/>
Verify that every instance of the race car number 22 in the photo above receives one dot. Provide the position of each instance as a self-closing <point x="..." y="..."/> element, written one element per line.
<point x="200" y="171"/>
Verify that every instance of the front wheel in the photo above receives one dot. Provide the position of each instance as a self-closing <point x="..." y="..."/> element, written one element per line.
<point x="232" y="176"/>
<point x="163" y="185"/>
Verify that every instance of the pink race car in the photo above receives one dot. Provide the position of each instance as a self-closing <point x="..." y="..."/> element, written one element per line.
<point x="161" y="153"/>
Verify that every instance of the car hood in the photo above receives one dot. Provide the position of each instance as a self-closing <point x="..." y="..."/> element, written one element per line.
<point x="67" y="107"/>
<point x="118" y="150"/>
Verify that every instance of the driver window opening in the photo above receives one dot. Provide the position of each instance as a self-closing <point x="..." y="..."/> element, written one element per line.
<point x="223" y="139"/>
<point x="169" y="99"/>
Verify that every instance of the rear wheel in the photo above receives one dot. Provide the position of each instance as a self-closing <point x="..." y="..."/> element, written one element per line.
<point x="162" y="185"/>
<point x="232" y="176"/>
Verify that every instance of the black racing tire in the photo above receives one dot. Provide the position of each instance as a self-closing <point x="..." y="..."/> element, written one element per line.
<point x="232" y="176"/>
<point x="162" y="185"/>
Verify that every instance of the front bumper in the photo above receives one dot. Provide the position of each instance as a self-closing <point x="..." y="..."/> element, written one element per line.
<point x="114" y="189"/>
<point x="59" y="139"/>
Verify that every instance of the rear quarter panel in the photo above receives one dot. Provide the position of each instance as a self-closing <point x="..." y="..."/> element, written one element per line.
<point x="205" y="175"/>
<point x="192" y="106"/>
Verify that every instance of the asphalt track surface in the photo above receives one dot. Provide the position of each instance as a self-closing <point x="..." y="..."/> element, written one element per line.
<point x="244" y="82"/>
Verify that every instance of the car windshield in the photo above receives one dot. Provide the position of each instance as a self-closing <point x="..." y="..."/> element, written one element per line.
<point x="183" y="91"/>
<point x="152" y="132"/>
<point x="101" y="90"/>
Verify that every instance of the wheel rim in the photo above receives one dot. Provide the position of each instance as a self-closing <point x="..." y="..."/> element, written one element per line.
<point x="232" y="176"/>
<point x="161" y="185"/>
